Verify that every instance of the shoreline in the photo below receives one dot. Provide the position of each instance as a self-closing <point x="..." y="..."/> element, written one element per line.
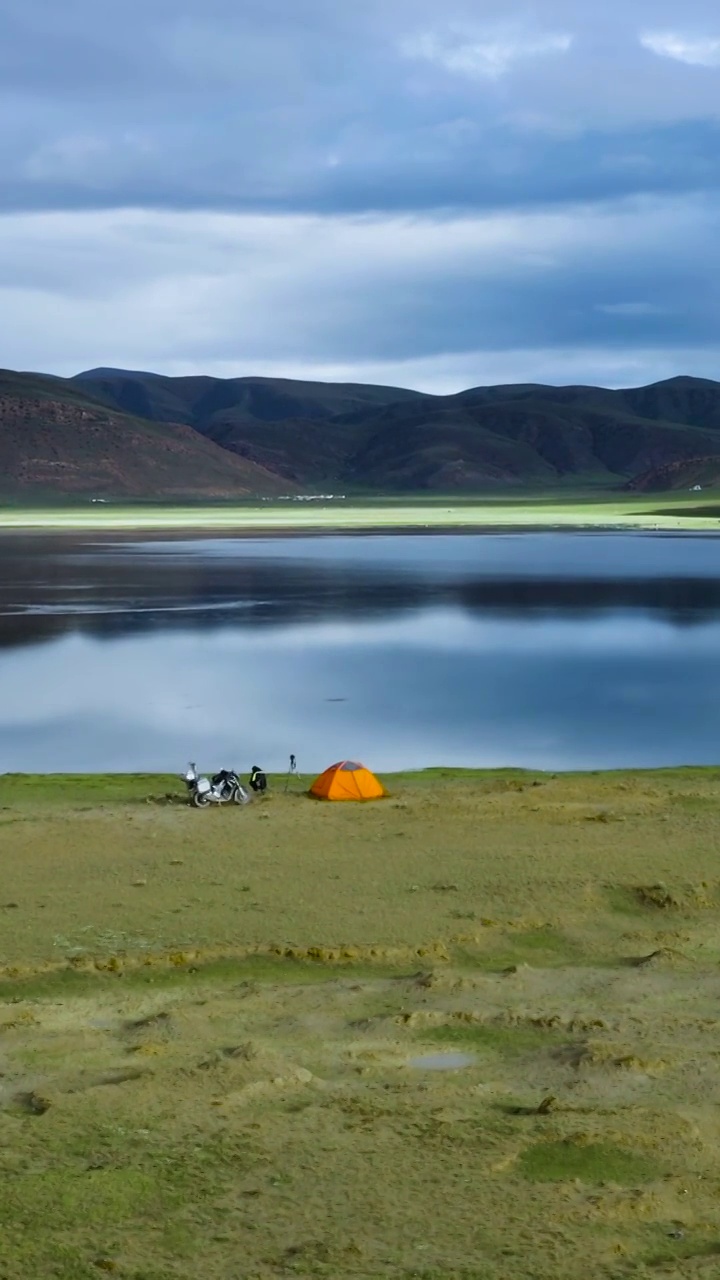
<point x="533" y="516"/>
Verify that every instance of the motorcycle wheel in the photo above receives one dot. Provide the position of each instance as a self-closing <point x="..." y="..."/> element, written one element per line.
<point x="241" y="796"/>
<point x="200" y="802"/>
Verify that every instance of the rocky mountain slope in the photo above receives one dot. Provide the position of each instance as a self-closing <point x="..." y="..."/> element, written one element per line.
<point x="692" y="473"/>
<point x="56" y="439"/>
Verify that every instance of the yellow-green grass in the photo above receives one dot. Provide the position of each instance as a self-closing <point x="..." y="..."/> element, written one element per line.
<point x="214" y="1029"/>
<point x="123" y="863"/>
<point x="559" y="509"/>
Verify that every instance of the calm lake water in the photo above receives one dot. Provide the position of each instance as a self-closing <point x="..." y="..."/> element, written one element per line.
<point x="548" y="650"/>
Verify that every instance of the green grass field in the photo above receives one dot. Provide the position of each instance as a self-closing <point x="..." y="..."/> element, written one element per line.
<point x="215" y="1030"/>
<point x="559" y="509"/>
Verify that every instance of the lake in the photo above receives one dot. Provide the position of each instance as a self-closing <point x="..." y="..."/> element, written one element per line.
<point x="546" y="650"/>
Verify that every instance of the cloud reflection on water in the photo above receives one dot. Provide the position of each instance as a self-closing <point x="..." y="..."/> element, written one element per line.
<point x="440" y="686"/>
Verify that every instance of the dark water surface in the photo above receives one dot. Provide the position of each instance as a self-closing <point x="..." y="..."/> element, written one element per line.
<point x="550" y="650"/>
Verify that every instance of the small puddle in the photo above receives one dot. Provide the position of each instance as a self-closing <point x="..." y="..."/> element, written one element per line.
<point x="442" y="1061"/>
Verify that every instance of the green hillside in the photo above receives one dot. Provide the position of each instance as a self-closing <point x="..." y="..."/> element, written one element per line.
<point x="393" y="440"/>
<point x="124" y="434"/>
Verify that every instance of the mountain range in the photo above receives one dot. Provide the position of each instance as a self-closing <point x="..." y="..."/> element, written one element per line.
<point x="116" y="433"/>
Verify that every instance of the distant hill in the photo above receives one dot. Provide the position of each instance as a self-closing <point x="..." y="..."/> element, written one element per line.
<point x="303" y="431"/>
<point x="113" y="432"/>
<point x="56" y="439"/>
<point x="390" y="439"/>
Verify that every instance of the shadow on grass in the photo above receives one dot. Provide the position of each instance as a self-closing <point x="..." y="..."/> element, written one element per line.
<point x="591" y="1162"/>
<point x="684" y="1251"/>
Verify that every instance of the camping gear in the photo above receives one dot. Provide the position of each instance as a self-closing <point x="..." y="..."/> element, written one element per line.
<point x="223" y="788"/>
<point x="291" y="773"/>
<point x="258" y="779"/>
<point x="347" y="781"/>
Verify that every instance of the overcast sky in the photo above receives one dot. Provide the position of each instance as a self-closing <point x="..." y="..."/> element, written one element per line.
<point x="403" y="191"/>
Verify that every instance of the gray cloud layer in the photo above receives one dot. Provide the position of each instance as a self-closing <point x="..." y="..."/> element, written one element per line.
<point x="363" y="157"/>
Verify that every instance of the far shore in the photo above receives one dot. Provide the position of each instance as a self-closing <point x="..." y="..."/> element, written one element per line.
<point x="660" y="513"/>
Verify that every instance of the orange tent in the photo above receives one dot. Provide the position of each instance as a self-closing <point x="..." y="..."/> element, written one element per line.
<point x="347" y="781"/>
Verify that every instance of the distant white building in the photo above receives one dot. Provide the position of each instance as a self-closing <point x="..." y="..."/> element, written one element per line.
<point x="697" y="488"/>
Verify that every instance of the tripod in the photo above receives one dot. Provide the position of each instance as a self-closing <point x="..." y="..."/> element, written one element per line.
<point x="291" y="773"/>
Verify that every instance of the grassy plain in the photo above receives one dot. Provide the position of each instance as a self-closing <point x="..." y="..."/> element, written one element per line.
<point x="208" y="1022"/>
<point x="561" y="508"/>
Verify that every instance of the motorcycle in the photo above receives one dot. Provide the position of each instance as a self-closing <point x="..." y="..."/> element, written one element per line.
<point x="223" y="788"/>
